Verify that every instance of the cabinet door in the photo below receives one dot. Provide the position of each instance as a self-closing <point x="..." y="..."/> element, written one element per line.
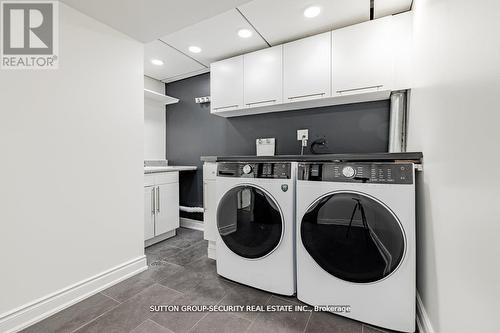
<point x="209" y="203"/>
<point x="307" y="68"/>
<point x="263" y="77"/>
<point x="362" y="59"/>
<point x="149" y="212"/>
<point x="226" y="84"/>
<point x="167" y="208"/>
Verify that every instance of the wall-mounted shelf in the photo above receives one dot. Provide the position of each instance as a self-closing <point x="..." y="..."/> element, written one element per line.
<point x="161" y="98"/>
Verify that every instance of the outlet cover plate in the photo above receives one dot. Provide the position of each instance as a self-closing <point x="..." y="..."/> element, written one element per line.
<point x="302" y="134"/>
<point x="201" y="100"/>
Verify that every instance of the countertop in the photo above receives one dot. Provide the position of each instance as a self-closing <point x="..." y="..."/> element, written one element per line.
<point x="411" y="156"/>
<point x="170" y="168"/>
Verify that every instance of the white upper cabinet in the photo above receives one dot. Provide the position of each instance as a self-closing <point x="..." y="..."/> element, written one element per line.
<point x="307" y="68"/>
<point x="226" y="84"/>
<point x="362" y="59"/>
<point x="358" y="63"/>
<point x="263" y="77"/>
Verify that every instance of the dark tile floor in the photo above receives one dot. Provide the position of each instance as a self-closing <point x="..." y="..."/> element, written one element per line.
<point x="180" y="273"/>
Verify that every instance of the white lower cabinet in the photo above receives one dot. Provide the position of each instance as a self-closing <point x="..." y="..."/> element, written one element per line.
<point x="161" y="205"/>
<point x="167" y="214"/>
<point x="149" y="212"/>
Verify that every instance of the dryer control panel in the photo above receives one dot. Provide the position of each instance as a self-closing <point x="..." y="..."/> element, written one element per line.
<point x="359" y="172"/>
<point x="278" y="170"/>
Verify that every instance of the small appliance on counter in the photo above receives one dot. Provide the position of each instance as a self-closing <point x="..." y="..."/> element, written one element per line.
<point x="265" y="146"/>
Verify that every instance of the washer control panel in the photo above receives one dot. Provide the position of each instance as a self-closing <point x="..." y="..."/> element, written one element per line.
<point x="254" y="170"/>
<point x="359" y="172"/>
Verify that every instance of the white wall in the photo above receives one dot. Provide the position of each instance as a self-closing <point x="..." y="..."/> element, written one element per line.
<point x="154" y="122"/>
<point x="71" y="174"/>
<point x="454" y="120"/>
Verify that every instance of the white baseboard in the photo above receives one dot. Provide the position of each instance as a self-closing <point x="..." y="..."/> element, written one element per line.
<point x="423" y="322"/>
<point x="192" y="224"/>
<point x="160" y="238"/>
<point x="35" y="311"/>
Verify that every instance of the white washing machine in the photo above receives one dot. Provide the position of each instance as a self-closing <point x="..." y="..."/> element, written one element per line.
<point x="356" y="241"/>
<point x="256" y="224"/>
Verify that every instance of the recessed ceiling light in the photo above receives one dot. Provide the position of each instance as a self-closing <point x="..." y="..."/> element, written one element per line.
<point x="312" y="11"/>
<point x="157" y="62"/>
<point x="194" y="49"/>
<point x="245" y="33"/>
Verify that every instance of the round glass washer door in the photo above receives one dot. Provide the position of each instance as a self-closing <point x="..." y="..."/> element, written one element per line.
<point x="353" y="237"/>
<point x="249" y="221"/>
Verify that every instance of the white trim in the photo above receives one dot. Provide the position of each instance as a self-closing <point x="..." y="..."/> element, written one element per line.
<point x="160" y="238"/>
<point x="192" y="224"/>
<point x="423" y="322"/>
<point x="186" y="75"/>
<point x="39" y="309"/>
<point x="212" y="250"/>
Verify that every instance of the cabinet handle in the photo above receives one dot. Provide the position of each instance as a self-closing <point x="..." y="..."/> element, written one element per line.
<point x="310" y="95"/>
<point x="226" y="107"/>
<point x="158" y="199"/>
<point x="356" y="89"/>
<point x="268" y="101"/>
<point x="153" y="198"/>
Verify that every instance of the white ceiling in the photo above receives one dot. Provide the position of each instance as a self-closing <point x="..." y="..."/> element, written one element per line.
<point x="147" y="20"/>
<point x="281" y="21"/>
<point x="217" y="37"/>
<point x="176" y="64"/>
<point x="169" y="27"/>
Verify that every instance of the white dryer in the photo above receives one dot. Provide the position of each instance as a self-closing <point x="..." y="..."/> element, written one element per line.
<point x="356" y="240"/>
<point x="256" y="224"/>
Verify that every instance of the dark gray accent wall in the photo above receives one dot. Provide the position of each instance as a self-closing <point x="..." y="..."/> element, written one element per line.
<point x="193" y="132"/>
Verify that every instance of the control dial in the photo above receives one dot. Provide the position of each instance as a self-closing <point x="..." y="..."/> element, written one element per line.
<point x="348" y="171"/>
<point x="247" y="169"/>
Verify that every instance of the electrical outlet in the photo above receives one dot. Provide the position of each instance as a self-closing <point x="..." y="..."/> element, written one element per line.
<point x="302" y="134"/>
<point x="201" y="100"/>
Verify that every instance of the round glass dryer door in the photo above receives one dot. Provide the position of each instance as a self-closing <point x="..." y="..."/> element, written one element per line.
<point x="353" y="237"/>
<point x="249" y="221"/>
